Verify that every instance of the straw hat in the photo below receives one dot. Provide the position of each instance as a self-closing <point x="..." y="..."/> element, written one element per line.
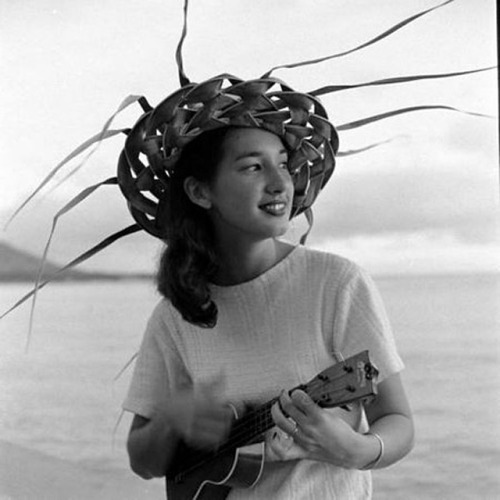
<point x="154" y="144"/>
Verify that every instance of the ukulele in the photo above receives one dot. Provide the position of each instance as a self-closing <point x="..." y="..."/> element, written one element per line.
<point x="196" y="474"/>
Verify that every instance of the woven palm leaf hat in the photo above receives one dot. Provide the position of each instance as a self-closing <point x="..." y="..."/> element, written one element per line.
<point x="153" y="145"/>
<point x="266" y="103"/>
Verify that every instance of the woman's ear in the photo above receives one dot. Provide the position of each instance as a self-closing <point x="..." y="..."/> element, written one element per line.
<point x="198" y="192"/>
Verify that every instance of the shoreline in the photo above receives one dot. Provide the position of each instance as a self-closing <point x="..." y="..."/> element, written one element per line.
<point x="27" y="474"/>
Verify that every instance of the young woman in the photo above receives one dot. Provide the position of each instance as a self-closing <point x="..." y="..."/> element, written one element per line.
<point x="246" y="315"/>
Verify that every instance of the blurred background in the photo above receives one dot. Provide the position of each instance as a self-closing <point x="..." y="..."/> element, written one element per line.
<point x="419" y="212"/>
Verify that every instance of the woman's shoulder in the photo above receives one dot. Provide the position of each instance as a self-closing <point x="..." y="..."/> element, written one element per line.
<point x="324" y="262"/>
<point x="162" y="314"/>
<point x="336" y="272"/>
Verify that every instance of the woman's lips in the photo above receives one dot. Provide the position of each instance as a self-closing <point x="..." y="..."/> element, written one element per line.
<point x="274" y="207"/>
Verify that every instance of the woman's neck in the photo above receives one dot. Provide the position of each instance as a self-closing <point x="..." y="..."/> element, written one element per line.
<point x="240" y="263"/>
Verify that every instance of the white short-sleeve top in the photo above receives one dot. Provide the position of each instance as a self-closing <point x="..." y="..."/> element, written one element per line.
<point x="274" y="332"/>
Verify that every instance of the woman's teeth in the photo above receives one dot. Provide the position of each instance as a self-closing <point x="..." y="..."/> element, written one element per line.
<point x="276" y="208"/>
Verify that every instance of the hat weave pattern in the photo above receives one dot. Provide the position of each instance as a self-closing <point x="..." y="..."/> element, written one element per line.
<point x="154" y="144"/>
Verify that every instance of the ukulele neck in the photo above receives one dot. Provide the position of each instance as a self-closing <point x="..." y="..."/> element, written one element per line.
<point x="251" y="426"/>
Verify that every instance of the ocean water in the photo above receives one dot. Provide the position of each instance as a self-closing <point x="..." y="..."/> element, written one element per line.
<point x="61" y="397"/>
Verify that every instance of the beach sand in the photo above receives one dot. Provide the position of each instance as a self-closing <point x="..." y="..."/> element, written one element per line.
<point x="30" y="475"/>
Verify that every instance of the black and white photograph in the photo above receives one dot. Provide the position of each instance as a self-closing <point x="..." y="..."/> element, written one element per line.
<point x="249" y="250"/>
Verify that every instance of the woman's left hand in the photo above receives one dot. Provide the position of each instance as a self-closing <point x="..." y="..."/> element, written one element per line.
<point x="322" y="435"/>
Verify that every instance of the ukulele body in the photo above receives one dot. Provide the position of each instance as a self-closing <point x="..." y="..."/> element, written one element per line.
<point x="238" y="462"/>
<point x="236" y="468"/>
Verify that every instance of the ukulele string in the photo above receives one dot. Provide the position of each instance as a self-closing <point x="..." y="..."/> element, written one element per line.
<point x="259" y="420"/>
<point x="241" y="436"/>
<point x="256" y="419"/>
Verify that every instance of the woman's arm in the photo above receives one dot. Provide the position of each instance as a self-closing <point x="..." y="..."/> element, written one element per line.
<point x="390" y="416"/>
<point x="327" y="437"/>
<point x="151" y="446"/>
<point x="198" y="418"/>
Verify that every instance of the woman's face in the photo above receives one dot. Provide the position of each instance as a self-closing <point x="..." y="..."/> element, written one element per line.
<point x="251" y="195"/>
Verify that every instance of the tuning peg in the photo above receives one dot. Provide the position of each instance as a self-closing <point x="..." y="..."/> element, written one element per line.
<point x="370" y="371"/>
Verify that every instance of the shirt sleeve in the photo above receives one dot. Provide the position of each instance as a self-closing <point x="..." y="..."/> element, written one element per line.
<point x="158" y="369"/>
<point x="361" y="323"/>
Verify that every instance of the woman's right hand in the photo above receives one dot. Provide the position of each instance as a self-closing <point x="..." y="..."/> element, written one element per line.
<point x="199" y="416"/>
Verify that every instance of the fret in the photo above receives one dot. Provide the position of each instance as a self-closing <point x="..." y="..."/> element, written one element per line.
<point x="252" y="425"/>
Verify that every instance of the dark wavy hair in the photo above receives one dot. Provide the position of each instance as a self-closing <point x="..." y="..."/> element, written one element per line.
<point x="189" y="261"/>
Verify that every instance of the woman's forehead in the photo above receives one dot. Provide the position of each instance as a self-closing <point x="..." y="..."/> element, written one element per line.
<point x="241" y="142"/>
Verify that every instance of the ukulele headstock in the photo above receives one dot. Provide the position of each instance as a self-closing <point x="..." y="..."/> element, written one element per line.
<point x="343" y="383"/>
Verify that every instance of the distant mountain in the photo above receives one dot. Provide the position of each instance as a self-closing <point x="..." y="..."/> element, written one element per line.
<point x="18" y="265"/>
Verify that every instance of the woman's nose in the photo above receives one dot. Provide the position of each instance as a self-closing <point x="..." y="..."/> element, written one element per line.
<point x="277" y="179"/>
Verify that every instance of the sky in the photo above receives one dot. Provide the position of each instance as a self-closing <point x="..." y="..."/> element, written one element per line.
<point x="424" y="202"/>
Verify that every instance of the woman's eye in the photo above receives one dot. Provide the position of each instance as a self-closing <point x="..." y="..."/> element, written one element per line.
<point x="252" y="168"/>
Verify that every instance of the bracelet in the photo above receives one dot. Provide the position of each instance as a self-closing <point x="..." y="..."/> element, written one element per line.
<point x="375" y="462"/>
